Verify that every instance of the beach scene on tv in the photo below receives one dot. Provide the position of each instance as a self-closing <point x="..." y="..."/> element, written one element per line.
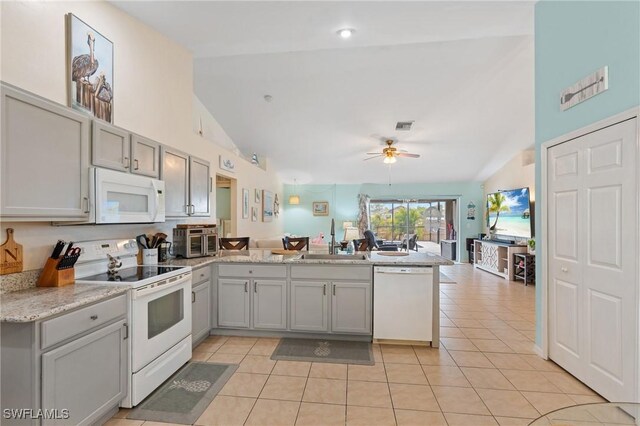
<point x="509" y="213"/>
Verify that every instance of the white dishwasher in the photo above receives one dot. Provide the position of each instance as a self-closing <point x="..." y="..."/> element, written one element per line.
<point x="403" y="303"/>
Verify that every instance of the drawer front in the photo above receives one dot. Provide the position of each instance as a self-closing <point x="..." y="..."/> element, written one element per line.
<point x="250" y="271"/>
<point x="331" y="272"/>
<point x="56" y="330"/>
<point x="201" y="274"/>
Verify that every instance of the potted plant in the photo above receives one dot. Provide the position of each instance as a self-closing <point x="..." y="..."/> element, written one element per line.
<point x="531" y="243"/>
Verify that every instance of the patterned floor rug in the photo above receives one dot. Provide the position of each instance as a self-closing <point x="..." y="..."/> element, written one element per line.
<point x="321" y="350"/>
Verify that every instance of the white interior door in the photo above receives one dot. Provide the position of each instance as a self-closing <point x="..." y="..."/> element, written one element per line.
<point x="592" y="265"/>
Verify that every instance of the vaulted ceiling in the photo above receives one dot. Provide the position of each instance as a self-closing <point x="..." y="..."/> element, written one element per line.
<point x="462" y="71"/>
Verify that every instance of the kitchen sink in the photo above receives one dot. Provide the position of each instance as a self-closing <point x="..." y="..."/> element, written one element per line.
<point x="312" y="256"/>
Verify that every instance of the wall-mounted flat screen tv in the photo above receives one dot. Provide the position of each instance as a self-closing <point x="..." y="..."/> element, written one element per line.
<point x="510" y="214"/>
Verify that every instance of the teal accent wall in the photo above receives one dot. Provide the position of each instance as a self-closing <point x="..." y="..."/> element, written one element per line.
<point x="343" y="205"/>
<point x="223" y="203"/>
<point x="572" y="40"/>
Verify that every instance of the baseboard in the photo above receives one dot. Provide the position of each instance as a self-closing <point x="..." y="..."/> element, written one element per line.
<point x="538" y="351"/>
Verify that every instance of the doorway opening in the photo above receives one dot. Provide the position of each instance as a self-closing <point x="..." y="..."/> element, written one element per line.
<point x="226" y="206"/>
<point x="428" y="221"/>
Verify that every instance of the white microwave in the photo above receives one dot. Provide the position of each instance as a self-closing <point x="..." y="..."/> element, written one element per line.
<point x="125" y="198"/>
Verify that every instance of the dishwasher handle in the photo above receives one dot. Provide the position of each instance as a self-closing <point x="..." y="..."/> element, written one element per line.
<point x="398" y="270"/>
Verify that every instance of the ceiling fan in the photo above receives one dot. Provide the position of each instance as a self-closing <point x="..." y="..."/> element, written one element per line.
<point x="390" y="153"/>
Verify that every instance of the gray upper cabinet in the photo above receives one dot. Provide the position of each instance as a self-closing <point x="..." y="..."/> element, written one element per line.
<point x="110" y="147"/>
<point x="44" y="159"/>
<point x="187" y="184"/>
<point x="87" y="376"/>
<point x="351" y="307"/>
<point x="309" y="306"/>
<point x="233" y="303"/>
<point x="145" y="155"/>
<point x="270" y="304"/>
<point x="200" y="312"/>
<point x="200" y="187"/>
<point x="175" y="173"/>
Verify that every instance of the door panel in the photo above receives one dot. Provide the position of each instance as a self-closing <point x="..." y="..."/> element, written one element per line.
<point x="110" y="147"/>
<point x="233" y="303"/>
<point x="309" y="306"/>
<point x="351" y="307"/>
<point x="200" y="186"/>
<point x="145" y="155"/>
<point x="270" y="304"/>
<point x="175" y="173"/>
<point x="593" y="229"/>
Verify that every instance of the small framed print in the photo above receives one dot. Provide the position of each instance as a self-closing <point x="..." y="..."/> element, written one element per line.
<point x="245" y="203"/>
<point x="321" y="208"/>
<point x="254" y="214"/>
<point x="256" y="195"/>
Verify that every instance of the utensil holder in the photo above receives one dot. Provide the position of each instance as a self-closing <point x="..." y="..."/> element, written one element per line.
<point x="150" y="256"/>
<point x="52" y="277"/>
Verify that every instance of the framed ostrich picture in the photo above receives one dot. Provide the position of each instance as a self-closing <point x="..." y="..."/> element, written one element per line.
<point x="89" y="69"/>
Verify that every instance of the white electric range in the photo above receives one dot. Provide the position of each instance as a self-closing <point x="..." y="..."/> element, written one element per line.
<point x="159" y="311"/>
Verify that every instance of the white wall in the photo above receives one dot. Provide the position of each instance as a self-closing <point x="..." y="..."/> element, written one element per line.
<point x="153" y="96"/>
<point x="518" y="172"/>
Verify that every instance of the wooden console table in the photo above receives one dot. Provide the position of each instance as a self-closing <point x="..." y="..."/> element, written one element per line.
<point x="496" y="257"/>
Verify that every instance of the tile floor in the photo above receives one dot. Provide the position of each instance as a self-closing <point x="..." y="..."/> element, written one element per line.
<point x="484" y="373"/>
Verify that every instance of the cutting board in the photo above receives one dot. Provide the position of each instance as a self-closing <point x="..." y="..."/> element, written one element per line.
<point x="283" y="251"/>
<point x="10" y="255"/>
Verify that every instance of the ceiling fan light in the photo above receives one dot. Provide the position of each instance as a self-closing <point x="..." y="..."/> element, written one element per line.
<point x="389" y="159"/>
<point x="294" y="199"/>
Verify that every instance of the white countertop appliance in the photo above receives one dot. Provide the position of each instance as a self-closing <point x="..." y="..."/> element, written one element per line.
<point x="403" y="304"/>
<point x="159" y="311"/>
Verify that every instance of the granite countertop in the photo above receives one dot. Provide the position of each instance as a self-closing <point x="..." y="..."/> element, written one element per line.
<point x="265" y="256"/>
<point x="36" y="303"/>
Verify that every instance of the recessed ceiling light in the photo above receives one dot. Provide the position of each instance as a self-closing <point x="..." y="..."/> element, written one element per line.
<point x="346" y="32"/>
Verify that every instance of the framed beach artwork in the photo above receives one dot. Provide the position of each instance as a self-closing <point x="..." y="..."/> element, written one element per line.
<point x="245" y="203"/>
<point x="254" y="214"/>
<point x="89" y="69"/>
<point x="267" y="206"/>
<point x="256" y="195"/>
<point x="227" y="164"/>
<point x="320" y="208"/>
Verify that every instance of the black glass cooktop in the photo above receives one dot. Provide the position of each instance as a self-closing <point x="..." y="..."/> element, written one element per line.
<point x="134" y="274"/>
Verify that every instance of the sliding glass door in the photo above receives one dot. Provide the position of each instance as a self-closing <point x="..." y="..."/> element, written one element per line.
<point x="431" y="221"/>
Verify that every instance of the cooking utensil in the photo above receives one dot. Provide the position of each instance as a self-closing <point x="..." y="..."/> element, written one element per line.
<point x="142" y="241"/>
<point x="58" y="249"/>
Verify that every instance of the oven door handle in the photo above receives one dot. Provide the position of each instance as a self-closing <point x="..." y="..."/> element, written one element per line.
<point x="146" y="291"/>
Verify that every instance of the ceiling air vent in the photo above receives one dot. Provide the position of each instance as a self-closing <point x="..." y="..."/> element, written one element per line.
<point x="404" y="125"/>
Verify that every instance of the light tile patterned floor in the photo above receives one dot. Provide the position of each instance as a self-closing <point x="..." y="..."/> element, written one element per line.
<point x="485" y="372"/>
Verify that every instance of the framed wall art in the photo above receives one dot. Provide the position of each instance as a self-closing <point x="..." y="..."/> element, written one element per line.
<point x="267" y="206"/>
<point x="257" y="195"/>
<point x="89" y="69"/>
<point x="245" y="203"/>
<point x="320" y="208"/>
<point x="254" y="214"/>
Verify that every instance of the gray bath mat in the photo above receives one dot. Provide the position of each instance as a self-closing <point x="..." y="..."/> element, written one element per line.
<point x="321" y="350"/>
<point x="185" y="395"/>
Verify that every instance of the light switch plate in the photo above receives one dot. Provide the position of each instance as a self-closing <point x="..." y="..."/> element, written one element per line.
<point x="584" y="89"/>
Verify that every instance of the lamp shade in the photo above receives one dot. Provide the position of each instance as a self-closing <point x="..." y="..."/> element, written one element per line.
<point x="294" y="199"/>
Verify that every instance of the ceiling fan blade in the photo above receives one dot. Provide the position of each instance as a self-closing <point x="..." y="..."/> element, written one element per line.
<point x="406" y="154"/>
<point x="375" y="156"/>
<point x="374" y="153"/>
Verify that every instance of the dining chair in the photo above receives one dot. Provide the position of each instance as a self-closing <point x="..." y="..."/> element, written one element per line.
<point x="237" y="243"/>
<point x="295" y="243"/>
<point x="361" y="245"/>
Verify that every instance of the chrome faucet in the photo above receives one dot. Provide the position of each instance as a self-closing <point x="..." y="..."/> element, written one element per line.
<point x="332" y="247"/>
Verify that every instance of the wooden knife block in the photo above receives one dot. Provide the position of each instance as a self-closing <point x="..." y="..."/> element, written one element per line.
<point x="52" y="277"/>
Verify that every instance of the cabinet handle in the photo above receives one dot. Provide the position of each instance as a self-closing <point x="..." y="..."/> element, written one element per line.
<point x="137" y="165"/>
<point x="246" y="289"/>
<point x="85" y="201"/>
<point x="126" y="162"/>
<point x="210" y="184"/>
<point x="324" y="289"/>
<point x="255" y="286"/>
<point x="334" y="289"/>
<point x="94" y="317"/>
<point x="193" y="297"/>
<point x="126" y="331"/>
<point x="563" y="269"/>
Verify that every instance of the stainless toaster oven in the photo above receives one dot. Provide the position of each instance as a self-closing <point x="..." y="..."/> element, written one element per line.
<point x="196" y="241"/>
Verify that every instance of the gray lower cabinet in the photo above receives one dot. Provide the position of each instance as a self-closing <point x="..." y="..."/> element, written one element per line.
<point x="87" y="376"/>
<point x="309" y="306"/>
<point x="233" y="303"/>
<point x="200" y="311"/>
<point x="269" y="304"/>
<point x="351" y="307"/>
<point x="44" y="159"/>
